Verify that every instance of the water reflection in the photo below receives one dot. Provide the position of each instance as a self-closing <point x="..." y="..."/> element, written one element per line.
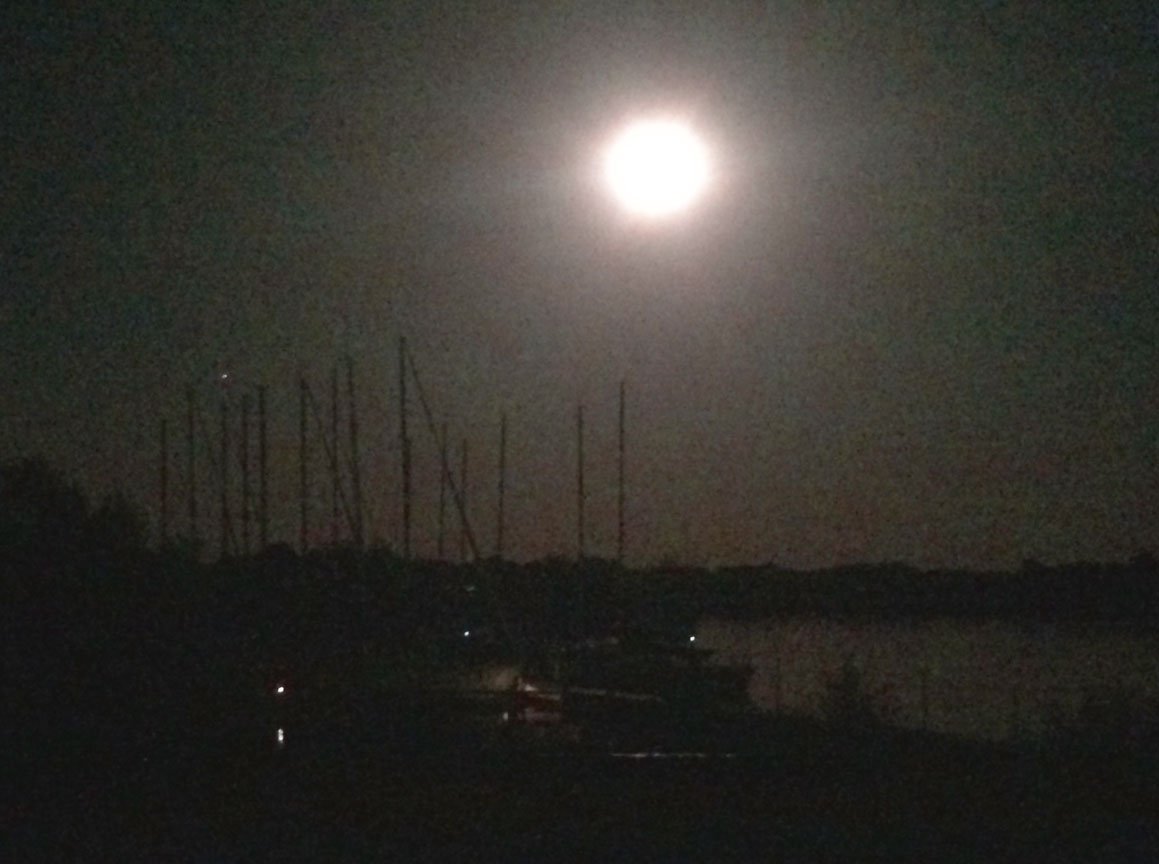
<point x="980" y="679"/>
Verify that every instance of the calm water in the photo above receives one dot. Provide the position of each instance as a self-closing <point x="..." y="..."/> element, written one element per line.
<point x="980" y="679"/>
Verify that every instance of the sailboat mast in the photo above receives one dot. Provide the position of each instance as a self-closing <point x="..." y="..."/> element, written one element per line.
<point x="502" y="485"/>
<point x="303" y="472"/>
<point x="404" y="447"/>
<point x="463" y="545"/>
<point x="620" y="484"/>
<point x="225" y="515"/>
<point x="440" y="542"/>
<point x="191" y="467"/>
<point x="164" y="466"/>
<point x="579" y="431"/>
<point x="263" y="473"/>
<point x="335" y="491"/>
<point x="355" y="466"/>
<point x="244" y="458"/>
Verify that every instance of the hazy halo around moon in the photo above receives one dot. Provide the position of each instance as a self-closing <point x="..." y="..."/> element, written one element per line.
<point x="656" y="167"/>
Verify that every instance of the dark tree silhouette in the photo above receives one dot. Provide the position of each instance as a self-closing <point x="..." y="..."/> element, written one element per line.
<point x="115" y="529"/>
<point x="42" y="516"/>
<point x="1144" y="561"/>
<point x="48" y="526"/>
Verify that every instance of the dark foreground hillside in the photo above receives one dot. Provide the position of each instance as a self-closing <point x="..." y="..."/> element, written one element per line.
<point x="803" y="795"/>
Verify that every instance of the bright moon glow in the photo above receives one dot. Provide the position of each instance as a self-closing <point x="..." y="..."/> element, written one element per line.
<point x="657" y="167"/>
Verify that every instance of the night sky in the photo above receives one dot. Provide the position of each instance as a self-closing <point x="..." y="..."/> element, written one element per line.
<point x="916" y="317"/>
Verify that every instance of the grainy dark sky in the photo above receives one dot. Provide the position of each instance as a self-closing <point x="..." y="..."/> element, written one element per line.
<point x="915" y="319"/>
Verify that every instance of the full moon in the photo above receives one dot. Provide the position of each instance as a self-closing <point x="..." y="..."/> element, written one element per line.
<point x="656" y="168"/>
